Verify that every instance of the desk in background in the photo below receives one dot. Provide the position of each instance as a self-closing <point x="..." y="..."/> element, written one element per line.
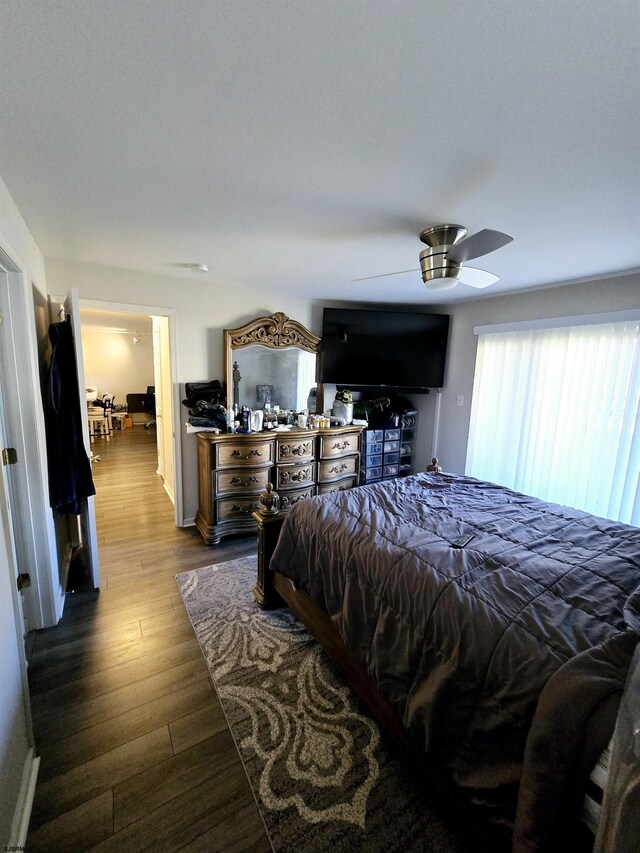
<point x="142" y="404"/>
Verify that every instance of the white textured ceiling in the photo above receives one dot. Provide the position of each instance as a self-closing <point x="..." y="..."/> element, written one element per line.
<point x="299" y="145"/>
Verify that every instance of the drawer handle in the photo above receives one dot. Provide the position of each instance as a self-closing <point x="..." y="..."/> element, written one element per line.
<point x="239" y="454"/>
<point x="245" y="510"/>
<point x="295" y="476"/>
<point x="338" y="470"/>
<point x="341" y="445"/>
<point x="286" y="502"/>
<point x="295" y="450"/>
<point x="235" y="481"/>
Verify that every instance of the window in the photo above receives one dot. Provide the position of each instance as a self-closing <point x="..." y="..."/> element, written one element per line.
<point x="555" y="414"/>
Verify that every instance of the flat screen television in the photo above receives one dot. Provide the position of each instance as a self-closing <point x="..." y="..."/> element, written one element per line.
<point x="393" y="349"/>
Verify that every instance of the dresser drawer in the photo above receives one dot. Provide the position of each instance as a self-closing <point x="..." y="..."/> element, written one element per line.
<point x="342" y="486"/>
<point x="334" y="446"/>
<point x="298" y="450"/>
<point x="231" y="508"/>
<point x="294" y="475"/>
<point x="256" y="452"/>
<point x="335" y="469"/>
<point x="238" y="480"/>
<point x="291" y="497"/>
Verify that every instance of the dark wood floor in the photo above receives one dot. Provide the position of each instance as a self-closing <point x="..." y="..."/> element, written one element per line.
<point x="135" y="751"/>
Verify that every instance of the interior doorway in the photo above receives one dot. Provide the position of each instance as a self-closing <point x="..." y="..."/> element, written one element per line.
<point x="127" y="357"/>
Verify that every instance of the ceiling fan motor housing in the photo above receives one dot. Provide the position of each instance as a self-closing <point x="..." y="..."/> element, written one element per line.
<point x="443" y="236"/>
<point x="438" y="272"/>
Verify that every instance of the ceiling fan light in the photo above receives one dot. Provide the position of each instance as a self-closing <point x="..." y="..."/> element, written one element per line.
<point x="437" y="272"/>
<point x="445" y="283"/>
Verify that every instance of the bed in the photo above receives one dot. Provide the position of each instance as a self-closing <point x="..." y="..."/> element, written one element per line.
<point x="504" y="658"/>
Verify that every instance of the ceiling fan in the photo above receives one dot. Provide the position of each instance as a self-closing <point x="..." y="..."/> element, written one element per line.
<point x="448" y="248"/>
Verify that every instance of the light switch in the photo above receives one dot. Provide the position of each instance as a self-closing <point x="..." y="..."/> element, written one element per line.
<point x="460" y="400"/>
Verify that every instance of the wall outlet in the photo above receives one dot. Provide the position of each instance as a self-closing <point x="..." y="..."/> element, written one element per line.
<point x="460" y="400"/>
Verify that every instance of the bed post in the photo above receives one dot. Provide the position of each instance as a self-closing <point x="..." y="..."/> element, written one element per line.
<point x="269" y="520"/>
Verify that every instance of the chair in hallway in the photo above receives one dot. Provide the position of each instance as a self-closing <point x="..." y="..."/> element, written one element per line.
<point x="107" y="405"/>
<point x="98" y="423"/>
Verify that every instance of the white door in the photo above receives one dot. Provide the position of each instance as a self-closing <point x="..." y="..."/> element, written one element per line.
<point x="8" y="499"/>
<point x="164" y="403"/>
<point x="88" y="512"/>
<point x="157" y="380"/>
<point x="18" y="766"/>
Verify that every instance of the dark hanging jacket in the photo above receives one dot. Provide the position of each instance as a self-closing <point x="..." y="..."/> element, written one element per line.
<point x="70" y="477"/>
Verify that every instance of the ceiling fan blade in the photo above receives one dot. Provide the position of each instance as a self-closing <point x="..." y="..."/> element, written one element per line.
<point x="479" y="244"/>
<point x="383" y="275"/>
<point x="477" y="278"/>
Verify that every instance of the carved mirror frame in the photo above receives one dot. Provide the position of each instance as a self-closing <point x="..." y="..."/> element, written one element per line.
<point x="276" y="331"/>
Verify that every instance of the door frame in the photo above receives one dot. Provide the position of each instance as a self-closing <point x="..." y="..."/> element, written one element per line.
<point x="87" y="514"/>
<point x="7" y="488"/>
<point x="24" y="781"/>
<point x="170" y="314"/>
<point x="34" y="532"/>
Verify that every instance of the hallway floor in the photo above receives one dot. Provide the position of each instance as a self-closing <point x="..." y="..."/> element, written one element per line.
<point x="135" y="751"/>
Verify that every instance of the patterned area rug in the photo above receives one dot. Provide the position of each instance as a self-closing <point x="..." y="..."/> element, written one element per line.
<point x="323" y="775"/>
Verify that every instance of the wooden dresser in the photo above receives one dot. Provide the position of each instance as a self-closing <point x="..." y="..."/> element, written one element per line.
<point x="234" y="469"/>
<point x="338" y="459"/>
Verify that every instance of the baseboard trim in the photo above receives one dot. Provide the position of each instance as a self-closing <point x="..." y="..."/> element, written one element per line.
<point x="22" y="814"/>
<point x="189" y="522"/>
<point x="170" y="493"/>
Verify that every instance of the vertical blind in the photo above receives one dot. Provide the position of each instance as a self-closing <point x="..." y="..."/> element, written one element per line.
<point x="555" y="414"/>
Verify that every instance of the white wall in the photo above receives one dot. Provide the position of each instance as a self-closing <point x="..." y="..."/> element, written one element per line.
<point x="115" y="364"/>
<point x="25" y="418"/>
<point x="203" y="309"/>
<point x="610" y="294"/>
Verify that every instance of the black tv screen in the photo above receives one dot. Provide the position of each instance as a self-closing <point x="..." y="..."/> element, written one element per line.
<point x="383" y="348"/>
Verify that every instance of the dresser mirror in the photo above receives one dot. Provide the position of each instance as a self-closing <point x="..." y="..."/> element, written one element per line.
<point x="270" y="364"/>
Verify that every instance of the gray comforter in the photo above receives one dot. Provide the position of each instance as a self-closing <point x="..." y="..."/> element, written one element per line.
<point x="461" y="640"/>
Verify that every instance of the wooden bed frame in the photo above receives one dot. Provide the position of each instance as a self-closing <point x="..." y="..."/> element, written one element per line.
<point x="273" y="590"/>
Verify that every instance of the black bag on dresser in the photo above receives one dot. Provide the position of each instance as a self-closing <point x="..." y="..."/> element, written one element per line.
<point x="212" y="392"/>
